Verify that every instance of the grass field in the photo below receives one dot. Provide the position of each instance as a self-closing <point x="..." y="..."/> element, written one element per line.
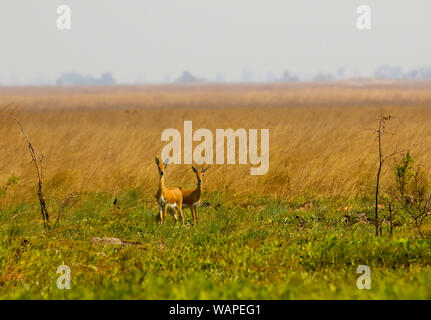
<point x="298" y="232"/>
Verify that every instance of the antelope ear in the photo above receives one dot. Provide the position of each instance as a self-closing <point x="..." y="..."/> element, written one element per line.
<point x="166" y="162"/>
<point x="205" y="170"/>
<point x="194" y="170"/>
<point x="157" y="161"/>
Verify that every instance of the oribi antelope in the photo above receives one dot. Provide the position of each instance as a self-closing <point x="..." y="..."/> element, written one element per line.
<point x="168" y="197"/>
<point x="192" y="197"/>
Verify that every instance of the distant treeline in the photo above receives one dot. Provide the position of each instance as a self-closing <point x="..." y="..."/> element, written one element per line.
<point x="76" y="79"/>
<point x="389" y="72"/>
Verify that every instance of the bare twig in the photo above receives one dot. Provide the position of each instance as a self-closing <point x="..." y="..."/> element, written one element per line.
<point x="380" y="131"/>
<point x="63" y="205"/>
<point x="37" y="160"/>
<point x="382" y="159"/>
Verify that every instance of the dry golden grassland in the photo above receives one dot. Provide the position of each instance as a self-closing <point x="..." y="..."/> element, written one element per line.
<point x="105" y="139"/>
<point x="298" y="232"/>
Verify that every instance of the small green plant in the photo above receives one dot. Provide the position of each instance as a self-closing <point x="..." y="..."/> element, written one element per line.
<point x="12" y="180"/>
<point x="404" y="173"/>
<point x="412" y="193"/>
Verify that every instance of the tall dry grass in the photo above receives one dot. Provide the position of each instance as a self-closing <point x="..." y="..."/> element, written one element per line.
<point x="105" y="139"/>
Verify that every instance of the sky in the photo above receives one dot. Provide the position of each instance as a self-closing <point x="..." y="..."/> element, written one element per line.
<point x="152" y="40"/>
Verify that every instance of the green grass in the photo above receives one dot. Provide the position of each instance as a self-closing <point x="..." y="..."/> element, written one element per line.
<point x="248" y="248"/>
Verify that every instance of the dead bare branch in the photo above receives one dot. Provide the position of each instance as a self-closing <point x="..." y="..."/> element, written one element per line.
<point x="37" y="160"/>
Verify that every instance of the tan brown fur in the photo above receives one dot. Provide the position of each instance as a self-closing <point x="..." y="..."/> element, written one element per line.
<point x="192" y="197"/>
<point x="167" y="196"/>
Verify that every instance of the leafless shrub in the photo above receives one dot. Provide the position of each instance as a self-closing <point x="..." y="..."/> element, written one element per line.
<point x="37" y="160"/>
<point x="382" y="119"/>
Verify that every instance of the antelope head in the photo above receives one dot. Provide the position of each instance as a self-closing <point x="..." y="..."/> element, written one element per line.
<point x="162" y="166"/>
<point x="199" y="173"/>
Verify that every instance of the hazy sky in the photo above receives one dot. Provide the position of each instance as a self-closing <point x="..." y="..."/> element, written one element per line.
<point x="153" y="38"/>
